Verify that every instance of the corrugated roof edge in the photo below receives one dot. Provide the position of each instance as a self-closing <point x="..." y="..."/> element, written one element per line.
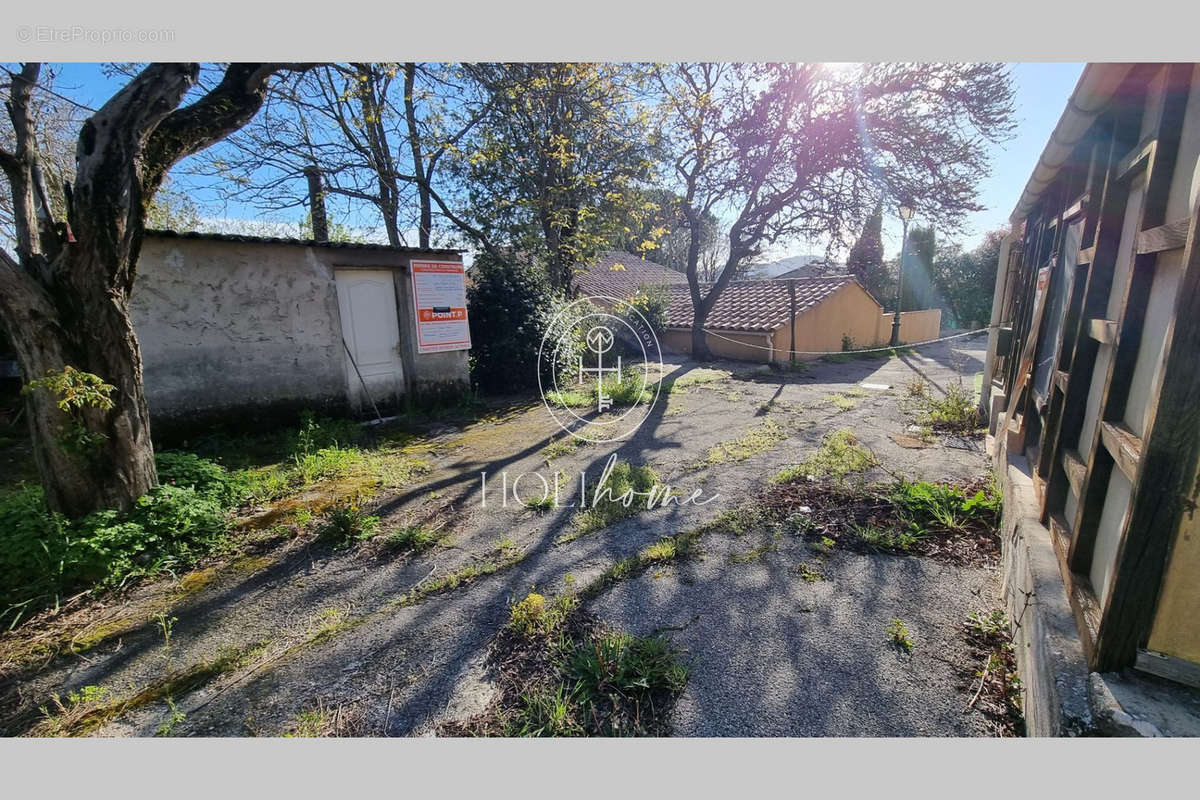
<point x="233" y="237"/>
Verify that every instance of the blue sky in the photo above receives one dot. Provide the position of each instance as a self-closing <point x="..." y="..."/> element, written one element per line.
<point x="1042" y="90"/>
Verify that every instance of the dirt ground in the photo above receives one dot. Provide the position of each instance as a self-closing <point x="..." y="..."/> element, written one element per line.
<point x="250" y="646"/>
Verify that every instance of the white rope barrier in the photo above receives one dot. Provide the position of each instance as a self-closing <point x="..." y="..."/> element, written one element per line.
<point x="905" y="346"/>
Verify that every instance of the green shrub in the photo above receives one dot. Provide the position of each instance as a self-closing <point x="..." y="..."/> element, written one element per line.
<point x="509" y="308"/>
<point x="44" y="556"/>
<point x="207" y="478"/>
<point x="651" y="302"/>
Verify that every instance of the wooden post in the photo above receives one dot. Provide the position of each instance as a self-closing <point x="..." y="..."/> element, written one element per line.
<point x="792" y="326"/>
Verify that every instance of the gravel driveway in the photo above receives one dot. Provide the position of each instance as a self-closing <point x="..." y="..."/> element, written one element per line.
<point x="771" y="654"/>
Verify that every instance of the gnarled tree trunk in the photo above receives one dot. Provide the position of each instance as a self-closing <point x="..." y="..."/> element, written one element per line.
<point x="65" y="299"/>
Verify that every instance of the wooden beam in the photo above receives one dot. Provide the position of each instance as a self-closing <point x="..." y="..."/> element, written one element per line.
<point x="1103" y="331"/>
<point x="1171" y="236"/>
<point x="1169" y="667"/>
<point x="1164" y="488"/>
<point x="1083" y="601"/>
<point x="1123" y="446"/>
<point x="1136" y="159"/>
<point x="1086" y="256"/>
<point x="1061" y="377"/>
<point x="1076" y="209"/>
<point x="1076" y="470"/>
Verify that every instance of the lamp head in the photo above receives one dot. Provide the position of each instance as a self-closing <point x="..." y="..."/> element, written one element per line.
<point x="906" y="212"/>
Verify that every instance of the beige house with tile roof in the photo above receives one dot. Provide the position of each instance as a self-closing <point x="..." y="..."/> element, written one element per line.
<point x="754" y="320"/>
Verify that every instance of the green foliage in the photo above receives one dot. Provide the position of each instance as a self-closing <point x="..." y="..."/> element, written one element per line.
<point x="994" y="623"/>
<point x="44" y="556"/>
<point x="346" y="523"/>
<point x="899" y="635"/>
<point x="652" y="302"/>
<point x="76" y="391"/>
<point x="554" y="162"/>
<point x="509" y="307"/>
<point x="955" y="412"/>
<point x="865" y="261"/>
<point x="613" y="501"/>
<point x="207" y="478"/>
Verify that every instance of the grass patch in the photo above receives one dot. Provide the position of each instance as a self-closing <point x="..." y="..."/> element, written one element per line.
<point x="411" y="538"/>
<point x="757" y="440"/>
<point x="561" y="447"/>
<point x="841" y="402"/>
<point x="740" y="521"/>
<point x="672" y="548"/>
<point x="562" y="673"/>
<point x="839" y="455"/>
<point x="753" y="554"/>
<point x="695" y="377"/>
<point x="623" y="494"/>
<point x="956" y="412"/>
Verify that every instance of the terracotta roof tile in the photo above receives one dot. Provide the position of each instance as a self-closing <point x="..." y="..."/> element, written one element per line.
<point x="618" y="274"/>
<point x="755" y="305"/>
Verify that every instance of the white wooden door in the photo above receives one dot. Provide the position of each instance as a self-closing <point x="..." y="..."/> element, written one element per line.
<point x="367" y="303"/>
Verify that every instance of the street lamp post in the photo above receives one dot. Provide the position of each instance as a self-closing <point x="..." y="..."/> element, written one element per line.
<point x="906" y="213"/>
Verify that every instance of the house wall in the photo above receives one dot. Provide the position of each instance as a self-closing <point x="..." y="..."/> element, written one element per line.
<point x="249" y="325"/>
<point x="850" y="311"/>
<point x="728" y="344"/>
<point x="915" y="326"/>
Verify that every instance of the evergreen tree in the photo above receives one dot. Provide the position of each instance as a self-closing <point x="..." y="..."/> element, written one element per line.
<point x="865" y="261"/>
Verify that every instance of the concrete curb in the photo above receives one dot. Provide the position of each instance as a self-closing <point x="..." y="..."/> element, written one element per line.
<point x="1050" y="658"/>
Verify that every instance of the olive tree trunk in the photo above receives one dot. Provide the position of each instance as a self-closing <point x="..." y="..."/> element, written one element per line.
<point x="64" y="299"/>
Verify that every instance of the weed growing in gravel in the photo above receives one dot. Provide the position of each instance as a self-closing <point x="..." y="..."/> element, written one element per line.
<point x="758" y="439"/>
<point x="838" y="456"/>
<point x="678" y="547"/>
<point x="614" y="501"/>
<point x="956" y="412"/>
<point x="346" y="523"/>
<point x="534" y="615"/>
<point x="583" y="679"/>
<point x="899" y="635"/>
<point x="754" y="554"/>
<point x="177" y="716"/>
<point x="885" y="539"/>
<point x="411" y="538"/>
<point x="311" y="724"/>
<point x="808" y="573"/>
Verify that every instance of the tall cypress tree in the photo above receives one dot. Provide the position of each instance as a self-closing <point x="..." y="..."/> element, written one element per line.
<point x="865" y="261"/>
